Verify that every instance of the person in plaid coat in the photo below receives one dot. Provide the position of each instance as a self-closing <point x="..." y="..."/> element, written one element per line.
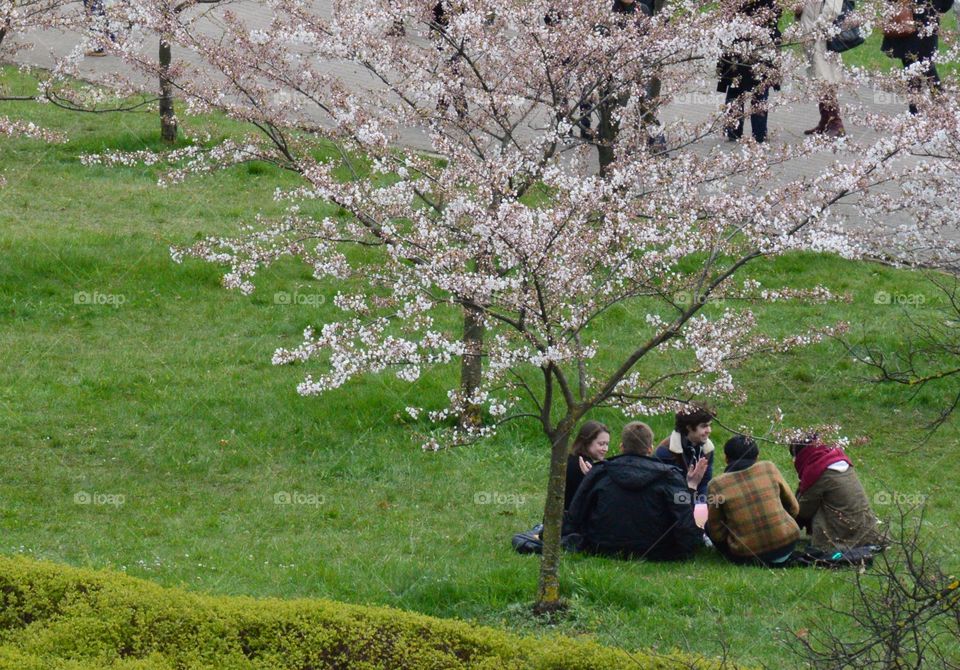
<point x="751" y="508"/>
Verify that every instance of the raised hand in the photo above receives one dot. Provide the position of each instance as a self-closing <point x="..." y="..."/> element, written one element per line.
<point x="696" y="471"/>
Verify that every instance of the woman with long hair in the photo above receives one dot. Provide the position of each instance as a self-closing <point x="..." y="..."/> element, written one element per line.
<point x="589" y="447"/>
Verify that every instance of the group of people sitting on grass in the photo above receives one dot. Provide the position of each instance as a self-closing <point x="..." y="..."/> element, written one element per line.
<point x="650" y="500"/>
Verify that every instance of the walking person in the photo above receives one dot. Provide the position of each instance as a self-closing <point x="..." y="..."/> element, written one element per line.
<point x="913" y="36"/>
<point x="747" y="72"/>
<point x="98" y="18"/>
<point x="450" y="60"/>
<point x="823" y="66"/>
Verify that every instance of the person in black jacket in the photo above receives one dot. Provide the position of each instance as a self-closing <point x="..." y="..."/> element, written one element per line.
<point x="921" y="45"/>
<point x="589" y="447"/>
<point x="746" y="71"/>
<point x="635" y="506"/>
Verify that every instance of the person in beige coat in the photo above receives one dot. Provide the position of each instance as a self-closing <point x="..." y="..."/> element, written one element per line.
<point x="822" y="65"/>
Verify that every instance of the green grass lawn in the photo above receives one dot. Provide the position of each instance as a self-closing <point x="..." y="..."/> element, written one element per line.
<point x="163" y="399"/>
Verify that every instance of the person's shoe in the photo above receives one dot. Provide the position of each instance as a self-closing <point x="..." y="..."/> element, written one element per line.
<point x="95" y="53"/>
<point x="759" y="139"/>
<point x="822" y="125"/>
<point x="732" y="135"/>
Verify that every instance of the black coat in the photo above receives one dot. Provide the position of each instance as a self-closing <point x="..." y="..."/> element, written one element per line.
<point x="746" y="69"/>
<point x="635" y="506"/>
<point x="914" y="48"/>
<point x="574" y="478"/>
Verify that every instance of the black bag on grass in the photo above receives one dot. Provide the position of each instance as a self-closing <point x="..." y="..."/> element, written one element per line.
<point x="528" y="542"/>
<point x="851" y="558"/>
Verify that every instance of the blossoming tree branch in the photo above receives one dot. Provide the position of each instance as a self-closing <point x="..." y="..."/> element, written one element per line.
<point x="503" y="219"/>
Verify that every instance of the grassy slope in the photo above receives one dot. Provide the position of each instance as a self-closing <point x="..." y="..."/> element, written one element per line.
<point x="170" y="400"/>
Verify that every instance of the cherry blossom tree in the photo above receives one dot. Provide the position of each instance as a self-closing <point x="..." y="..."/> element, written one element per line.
<point x="20" y="16"/>
<point x="16" y="17"/>
<point x="501" y="216"/>
<point x="106" y="33"/>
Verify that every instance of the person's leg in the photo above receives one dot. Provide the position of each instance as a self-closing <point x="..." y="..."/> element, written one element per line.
<point x="758" y="113"/>
<point x="648" y="116"/>
<point x="734" y="110"/>
<point x="914" y="85"/>
<point x="777" y="558"/>
<point x="932" y="78"/>
<point x="824" y="115"/>
<point x="586" y="110"/>
<point x="831" y="101"/>
<point x="724" y="551"/>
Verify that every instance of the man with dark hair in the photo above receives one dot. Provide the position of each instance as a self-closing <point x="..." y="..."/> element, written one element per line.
<point x="633" y="505"/>
<point x="751" y="509"/>
<point x="689" y="442"/>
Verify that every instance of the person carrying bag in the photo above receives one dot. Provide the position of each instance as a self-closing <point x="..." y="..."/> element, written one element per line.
<point x="911" y="34"/>
<point x="850" y="35"/>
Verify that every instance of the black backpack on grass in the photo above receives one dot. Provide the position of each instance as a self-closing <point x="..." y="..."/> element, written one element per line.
<point x="855" y="557"/>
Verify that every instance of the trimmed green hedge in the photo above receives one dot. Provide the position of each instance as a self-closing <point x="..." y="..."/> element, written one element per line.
<point x="59" y="617"/>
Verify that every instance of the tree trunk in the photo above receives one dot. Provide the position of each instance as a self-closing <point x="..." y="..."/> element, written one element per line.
<point x="471" y="365"/>
<point x="168" y="122"/>
<point x="606" y="135"/>
<point x="548" y="591"/>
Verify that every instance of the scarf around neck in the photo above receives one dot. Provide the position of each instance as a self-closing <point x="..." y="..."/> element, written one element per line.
<point x="811" y="462"/>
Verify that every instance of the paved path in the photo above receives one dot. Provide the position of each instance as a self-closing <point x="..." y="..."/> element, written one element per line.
<point x="786" y="122"/>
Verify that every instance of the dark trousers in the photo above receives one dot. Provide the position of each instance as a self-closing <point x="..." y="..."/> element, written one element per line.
<point x="765" y="559"/>
<point x="930" y="75"/>
<point x="736" y="99"/>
